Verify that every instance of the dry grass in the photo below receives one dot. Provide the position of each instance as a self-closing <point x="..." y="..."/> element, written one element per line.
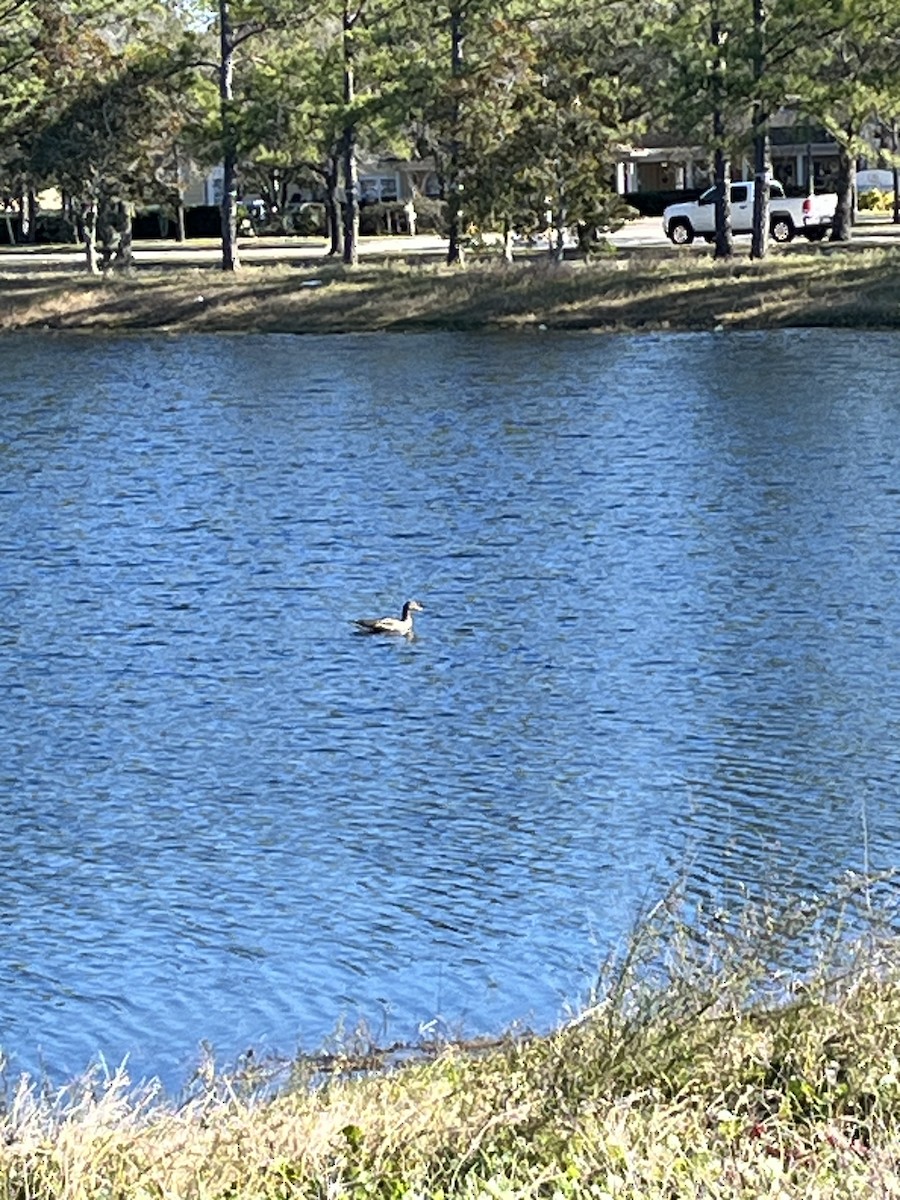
<point x="647" y="290"/>
<point x="703" y="1069"/>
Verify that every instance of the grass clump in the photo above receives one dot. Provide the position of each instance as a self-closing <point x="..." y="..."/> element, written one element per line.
<point x="714" y="1061"/>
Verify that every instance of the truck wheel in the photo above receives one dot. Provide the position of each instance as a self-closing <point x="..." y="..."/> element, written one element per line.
<point x="680" y="232"/>
<point x="782" y="229"/>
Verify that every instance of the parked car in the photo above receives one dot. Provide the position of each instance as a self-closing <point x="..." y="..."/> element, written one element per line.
<point x="788" y="215"/>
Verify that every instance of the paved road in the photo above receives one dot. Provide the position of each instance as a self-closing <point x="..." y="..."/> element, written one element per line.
<point x="642" y="232"/>
<point x="646" y="233"/>
<point x="206" y="252"/>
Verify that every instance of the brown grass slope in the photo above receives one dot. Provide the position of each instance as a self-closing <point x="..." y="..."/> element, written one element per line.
<point x="650" y="291"/>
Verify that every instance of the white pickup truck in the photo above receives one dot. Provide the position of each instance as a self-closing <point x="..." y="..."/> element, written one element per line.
<point x="810" y="215"/>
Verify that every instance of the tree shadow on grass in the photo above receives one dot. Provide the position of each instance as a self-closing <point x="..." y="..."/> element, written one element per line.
<point x="639" y="292"/>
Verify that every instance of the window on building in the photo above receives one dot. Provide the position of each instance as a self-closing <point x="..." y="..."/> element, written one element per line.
<point x="373" y="188"/>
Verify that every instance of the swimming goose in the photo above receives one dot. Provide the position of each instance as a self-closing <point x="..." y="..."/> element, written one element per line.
<point x="402" y="625"/>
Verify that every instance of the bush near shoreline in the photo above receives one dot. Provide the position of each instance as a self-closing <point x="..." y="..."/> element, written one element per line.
<point x="647" y="290"/>
<point x="707" y="1066"/>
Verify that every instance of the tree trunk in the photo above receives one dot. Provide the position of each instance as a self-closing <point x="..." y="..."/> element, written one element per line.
<point x="724" y="236"/>
<point x="88" y="221"/>
<point x="230" y="257"/>
<point x="334" y="221"/>
<point x="333" y="207"/>
<point x="28" y="217"/>
<point x="125" y="248"/>
<point x="454" y="183"/>
<point x="74" y="214"/>
<point x="106" y="232"/>
<point x="350" y="252"/>
<point x="351" y="175"/>
<point x="351" y="199"/>
<point x="558" y="243"/>
<point x="507" y="241"/>
<point x="842" y="229"/>
<point x="179" y="199"/>
<point x="759" y="243"/>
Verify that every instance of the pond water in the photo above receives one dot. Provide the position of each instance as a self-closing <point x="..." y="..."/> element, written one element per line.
<point x="661" y="641"/>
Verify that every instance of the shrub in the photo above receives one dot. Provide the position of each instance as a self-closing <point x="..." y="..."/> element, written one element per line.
<point x="203" y="220"/>
<point x="153" y="223"/>
<point x="54" y="227"/>
<point x="383" y="218"/>
<point x="308" y="220"/>
<point x="876" y="200"/>
<point x="431" y="215"/>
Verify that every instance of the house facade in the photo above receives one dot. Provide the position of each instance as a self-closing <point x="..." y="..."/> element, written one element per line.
<point x="801" y="154"/>
<point x="658" y="169"/>
<point x="381" y="180"/>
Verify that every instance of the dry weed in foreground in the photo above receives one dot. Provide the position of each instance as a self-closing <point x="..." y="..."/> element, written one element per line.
<point x="705" y="1068"/>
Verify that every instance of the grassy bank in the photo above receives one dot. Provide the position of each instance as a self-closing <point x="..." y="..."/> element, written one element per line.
<point x="704" y="1070"/>
<point x="635" y="290"/>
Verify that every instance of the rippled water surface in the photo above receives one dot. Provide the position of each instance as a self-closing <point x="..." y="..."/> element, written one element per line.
<point x="660" y="641"/>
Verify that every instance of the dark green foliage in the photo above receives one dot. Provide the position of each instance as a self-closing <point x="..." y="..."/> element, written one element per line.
<point x="523" y="110"/>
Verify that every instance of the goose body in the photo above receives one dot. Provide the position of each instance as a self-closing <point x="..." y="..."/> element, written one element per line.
<point x="398" y="625"/>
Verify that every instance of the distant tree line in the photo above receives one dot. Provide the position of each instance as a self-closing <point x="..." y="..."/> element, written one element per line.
<point x="522" y="105"/>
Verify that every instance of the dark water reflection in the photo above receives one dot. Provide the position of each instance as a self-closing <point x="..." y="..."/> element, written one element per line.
<point x="661" y="640"/>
